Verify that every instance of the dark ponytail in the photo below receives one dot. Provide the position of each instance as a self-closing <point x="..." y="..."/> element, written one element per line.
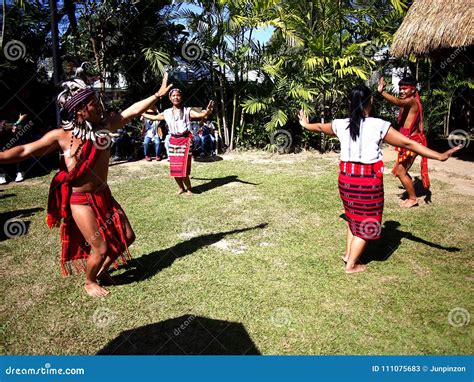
<point x="359" y="98"/>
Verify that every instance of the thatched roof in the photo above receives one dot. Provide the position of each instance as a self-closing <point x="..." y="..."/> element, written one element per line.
<point x="434" y="25"/>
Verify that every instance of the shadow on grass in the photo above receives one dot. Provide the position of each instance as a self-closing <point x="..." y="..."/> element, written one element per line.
<point x="6" y="196"/>
<point x="208" y="159"/>
<point x="184" y="335"/>
<point x="382" y="249"/>
<point x="10" y="224"/>
<point x="218" y="182"/>
<point x="420" y="191"/>
<point x="149" y="265"/>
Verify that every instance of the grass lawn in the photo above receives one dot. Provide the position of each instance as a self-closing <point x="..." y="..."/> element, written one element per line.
<point x="251" y="265"/>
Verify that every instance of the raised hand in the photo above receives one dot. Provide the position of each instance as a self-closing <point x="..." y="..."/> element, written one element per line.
<point x="164" y="86"/>
<point x="210" y="107"/>
<point x="381" y="85"/>
<point x="303" y="119"/>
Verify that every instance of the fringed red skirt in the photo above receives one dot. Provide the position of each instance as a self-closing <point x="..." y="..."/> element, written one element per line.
<point x="362" y="194"/>
<point x="110" y="220"/>
<point x="180" y="155"/>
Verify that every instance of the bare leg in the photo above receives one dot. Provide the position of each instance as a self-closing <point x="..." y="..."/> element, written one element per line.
<point x="187" y="183"/>
<point x="180" y="185"/>
<point x="405" y="179"/>
<point x="130" y="237"/>
<point x="357" y="247"/>
<point x="348" y="244"/>
<point x="85" y="220"/>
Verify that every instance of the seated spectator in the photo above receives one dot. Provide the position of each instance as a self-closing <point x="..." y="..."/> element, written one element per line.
<point x="150" y="133"/>
<point x="208" y="139"/>
<point x="196" y="143"/>
<point x="14" y="134"/>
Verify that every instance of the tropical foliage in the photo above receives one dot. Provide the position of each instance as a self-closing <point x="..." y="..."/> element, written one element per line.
<point x="318" y="50"/>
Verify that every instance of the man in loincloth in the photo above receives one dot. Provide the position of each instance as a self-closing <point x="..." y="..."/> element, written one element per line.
<point x="410" y="121"/>
<point x="95" y="232"/>
<point x="178" y="119"/>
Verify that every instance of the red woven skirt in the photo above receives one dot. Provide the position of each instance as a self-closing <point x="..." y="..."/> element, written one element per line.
<point x="180" y="156"/>
<point x="361" y="191"/>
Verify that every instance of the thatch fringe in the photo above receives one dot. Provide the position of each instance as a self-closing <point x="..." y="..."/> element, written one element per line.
<point x="432" y="25"/>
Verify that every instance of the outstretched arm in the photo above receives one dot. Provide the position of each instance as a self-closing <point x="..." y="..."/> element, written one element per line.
<point x="153" y="117"/>
<point x="139" y="107"/>
<point x="396" y="139"/>
<point x="203" y="114"/>
<point x="322" y="127"/>
<point x="47" y="144"/>
<point x="392" y="99"/>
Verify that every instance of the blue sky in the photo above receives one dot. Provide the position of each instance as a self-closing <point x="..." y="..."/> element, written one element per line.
<point x="262" y="34"/>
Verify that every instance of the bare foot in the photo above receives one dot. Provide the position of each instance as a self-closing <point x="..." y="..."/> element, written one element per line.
<point x="356" y="268"/>
<point x="181" y="191"/>
<point x="408" y="203"/>
<point x="95" y="290"/>
<point x="345" y="258"/>
<point x="189" y="192"/>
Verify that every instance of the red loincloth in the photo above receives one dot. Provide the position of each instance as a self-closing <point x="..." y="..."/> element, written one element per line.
<point x="109" y="216"/>
<point x="405" y="155"/>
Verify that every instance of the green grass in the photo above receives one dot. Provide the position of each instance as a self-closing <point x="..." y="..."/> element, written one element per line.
<point x="256" y="266"/>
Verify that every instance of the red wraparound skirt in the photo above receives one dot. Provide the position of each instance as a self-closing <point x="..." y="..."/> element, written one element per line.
<point x="362" y="194"/>
<point x="180" y="156"/>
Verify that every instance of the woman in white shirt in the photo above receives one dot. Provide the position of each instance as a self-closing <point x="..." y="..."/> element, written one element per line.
<point x="361" y="169"/>
<point x="178" y="119"/>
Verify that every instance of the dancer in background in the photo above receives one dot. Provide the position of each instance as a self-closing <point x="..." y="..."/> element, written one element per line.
<point x="178" y="119"/>
<point x="361" y="169"/>
<point x="410" y="121"/>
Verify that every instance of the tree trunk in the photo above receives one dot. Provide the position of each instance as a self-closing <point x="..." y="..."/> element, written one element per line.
<point x="234" y="111"/>
<point x="4" y="5"/>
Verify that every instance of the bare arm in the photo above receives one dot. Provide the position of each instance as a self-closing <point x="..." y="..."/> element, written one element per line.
<point x="153" y="117"/>
<point x="139" y="107"/>
<point x="396" y="139"/>
<point x="47" y="144"/>
<point x="392" y="99"/>
<point x="326" y="128"/>
<point x="203" y="114"/>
